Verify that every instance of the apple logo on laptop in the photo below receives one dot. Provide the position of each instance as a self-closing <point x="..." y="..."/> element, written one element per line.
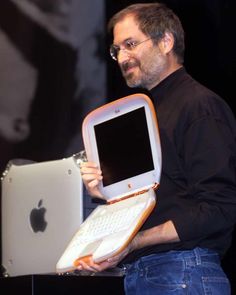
<point x="37" y="218"/>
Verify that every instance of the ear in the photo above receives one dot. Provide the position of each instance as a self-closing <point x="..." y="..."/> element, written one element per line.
<point x="167" y="43"/>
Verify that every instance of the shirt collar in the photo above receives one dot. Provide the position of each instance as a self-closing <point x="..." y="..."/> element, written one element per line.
<point x="164" y="85"/>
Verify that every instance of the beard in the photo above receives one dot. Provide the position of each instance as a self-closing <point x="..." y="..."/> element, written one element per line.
<point x="146" y="74"/>
<point x="130" y="77"/>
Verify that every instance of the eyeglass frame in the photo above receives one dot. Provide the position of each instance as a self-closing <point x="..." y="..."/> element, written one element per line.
<point x="129" y="46"/>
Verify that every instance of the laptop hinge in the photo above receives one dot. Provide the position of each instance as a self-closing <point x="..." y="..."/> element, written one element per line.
<point x="154" y="187"/>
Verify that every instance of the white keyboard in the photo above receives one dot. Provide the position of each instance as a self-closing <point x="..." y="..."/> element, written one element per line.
<point x="107" y="229"/>
<point x="107" y="222"/>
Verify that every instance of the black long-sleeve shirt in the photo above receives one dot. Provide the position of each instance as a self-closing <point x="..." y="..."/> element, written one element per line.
<point x="198" y="182"/>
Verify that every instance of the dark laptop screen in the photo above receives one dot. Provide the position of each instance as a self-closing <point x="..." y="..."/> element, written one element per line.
<point x="124" y="146"/>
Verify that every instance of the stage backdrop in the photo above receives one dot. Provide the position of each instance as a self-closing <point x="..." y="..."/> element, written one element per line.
<point x="52" y="73"/>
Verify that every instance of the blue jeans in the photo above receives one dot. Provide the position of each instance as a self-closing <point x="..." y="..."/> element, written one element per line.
<point x="192" y="272"/>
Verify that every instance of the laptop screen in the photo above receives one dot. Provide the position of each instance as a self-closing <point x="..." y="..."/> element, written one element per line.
<point x="123" y="145"/>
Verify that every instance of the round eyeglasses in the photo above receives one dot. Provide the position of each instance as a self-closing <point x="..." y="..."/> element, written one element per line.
<point x="128" y="45"/>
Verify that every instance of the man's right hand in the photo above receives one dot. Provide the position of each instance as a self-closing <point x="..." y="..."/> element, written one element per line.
<point x="91" y="176"/>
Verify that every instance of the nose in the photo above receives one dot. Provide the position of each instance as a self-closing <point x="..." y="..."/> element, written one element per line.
<point x="123" y="55"/>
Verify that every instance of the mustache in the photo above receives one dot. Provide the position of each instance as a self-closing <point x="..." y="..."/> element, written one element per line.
<point x="129" y="64"/>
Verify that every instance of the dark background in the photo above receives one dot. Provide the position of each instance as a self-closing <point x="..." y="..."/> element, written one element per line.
<point x="210" y="58"/>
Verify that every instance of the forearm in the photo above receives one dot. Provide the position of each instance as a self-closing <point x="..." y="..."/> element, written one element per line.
<point x="163" y="233"/>
<point x="157" y="235"/>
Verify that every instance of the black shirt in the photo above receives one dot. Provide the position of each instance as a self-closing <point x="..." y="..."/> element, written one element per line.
<point x="198" y="182"/>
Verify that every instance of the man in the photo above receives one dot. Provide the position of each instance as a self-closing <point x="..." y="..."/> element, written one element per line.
<point x="179" y="247"/>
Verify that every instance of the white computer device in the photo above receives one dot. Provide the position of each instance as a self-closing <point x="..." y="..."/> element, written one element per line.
<point x="122" y="137"/>
<point x="42" y="207"/>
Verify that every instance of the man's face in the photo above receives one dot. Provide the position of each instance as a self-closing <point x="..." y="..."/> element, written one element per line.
<point x="143" y="65"/>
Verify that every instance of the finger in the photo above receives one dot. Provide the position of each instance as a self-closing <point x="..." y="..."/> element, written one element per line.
<point x="89" y="168"/>
<point x="91" y="181"/>
<point x="88" y="268"/>
<point x="90" y="171"/>
<point x="101" y="266"/>
<point x="93" y="184"/>
<point x="91" y="266"/>
<point x="88" y="164"/>
<point x="91" y="177"/>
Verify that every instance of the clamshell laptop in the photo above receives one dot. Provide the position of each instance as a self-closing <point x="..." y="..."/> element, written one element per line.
<point x="122" y="137"/>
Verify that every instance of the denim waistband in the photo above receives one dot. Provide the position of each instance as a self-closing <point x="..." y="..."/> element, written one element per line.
<point x="195" y="256"/>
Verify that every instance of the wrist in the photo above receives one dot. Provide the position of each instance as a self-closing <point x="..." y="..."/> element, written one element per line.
<point x="135" y="244"/>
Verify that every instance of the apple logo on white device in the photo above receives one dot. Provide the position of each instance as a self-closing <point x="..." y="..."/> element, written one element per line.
<point x="37" y="218"/>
